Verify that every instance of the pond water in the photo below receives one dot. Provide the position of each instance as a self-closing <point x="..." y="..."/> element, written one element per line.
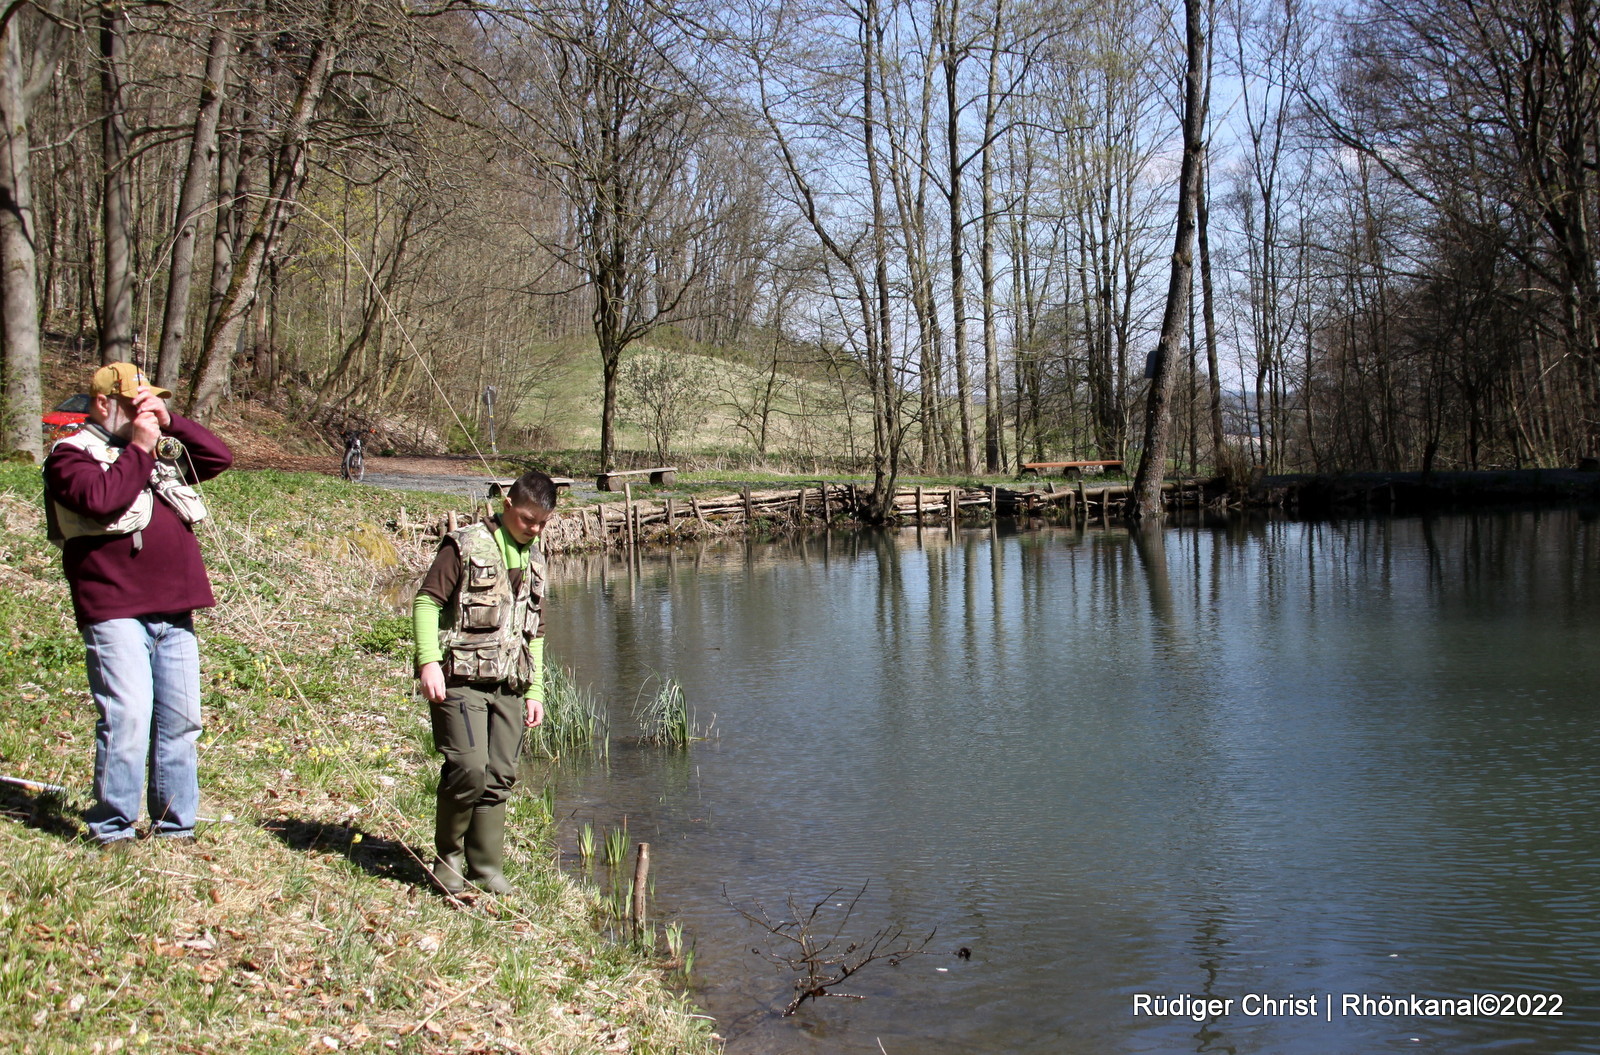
<point x="1275" y="764"/>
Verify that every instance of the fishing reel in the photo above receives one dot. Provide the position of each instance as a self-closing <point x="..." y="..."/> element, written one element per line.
<point x="169" y="449"/>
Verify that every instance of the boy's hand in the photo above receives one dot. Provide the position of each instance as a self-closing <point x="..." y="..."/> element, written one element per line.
<point x="535" y="714"/>
<point x="432" y="678"/>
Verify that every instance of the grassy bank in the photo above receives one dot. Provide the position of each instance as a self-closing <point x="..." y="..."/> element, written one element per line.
<point x="299" y="921"/>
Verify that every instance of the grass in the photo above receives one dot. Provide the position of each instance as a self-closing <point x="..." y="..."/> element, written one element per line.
<point x="616" y="846"/>
<point x="573" y="718"/>
<point x="806" y="437"/>
<point x="805" y="411"/>
<point x="304" y="924"/>
<point x="664" y="718"/>
<point x="679" y="956"/>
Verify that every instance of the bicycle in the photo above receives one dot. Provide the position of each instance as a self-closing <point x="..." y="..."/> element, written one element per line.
<point x="354" y="467"/>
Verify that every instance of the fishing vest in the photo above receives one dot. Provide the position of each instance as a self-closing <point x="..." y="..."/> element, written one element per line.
<point x="166" y="481"/>
<point x="485" y="634"/>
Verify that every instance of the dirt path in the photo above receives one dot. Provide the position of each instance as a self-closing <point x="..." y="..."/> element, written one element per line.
<point x="466" y="477"/>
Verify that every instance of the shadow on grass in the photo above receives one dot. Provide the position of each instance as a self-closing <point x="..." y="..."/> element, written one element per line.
<point x="45" y="811"/>
<point x="373" y="854"/>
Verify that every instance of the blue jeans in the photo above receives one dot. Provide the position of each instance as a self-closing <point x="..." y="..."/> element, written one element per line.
<point x="145" y="677"/>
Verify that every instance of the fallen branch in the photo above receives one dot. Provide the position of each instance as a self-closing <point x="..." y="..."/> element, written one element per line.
<point x="815" y="956"/>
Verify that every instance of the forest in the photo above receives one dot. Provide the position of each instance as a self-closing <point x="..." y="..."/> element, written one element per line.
<point x="949" y="223"/>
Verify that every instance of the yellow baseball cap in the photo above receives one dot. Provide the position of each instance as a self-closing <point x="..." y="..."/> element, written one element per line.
<point x="123" y="379"/>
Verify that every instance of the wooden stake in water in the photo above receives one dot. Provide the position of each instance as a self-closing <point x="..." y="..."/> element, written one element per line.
<point x="641" y="876"/>
<point x="627" y="511"/>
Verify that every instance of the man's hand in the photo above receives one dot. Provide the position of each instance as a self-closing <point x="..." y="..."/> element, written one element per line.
<point x="146" y="431"/>
<point x="148" y="402"/>
<point x="432" y="678"/>
<point x="535" y="714"/>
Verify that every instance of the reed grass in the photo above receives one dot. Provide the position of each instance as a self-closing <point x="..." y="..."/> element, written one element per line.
<point x="573" y="718"/>
<point x="586" y="844"/>
<point x="616" y="846"/>
<point x="680" y="955"/>
<point x="664" y="717"/>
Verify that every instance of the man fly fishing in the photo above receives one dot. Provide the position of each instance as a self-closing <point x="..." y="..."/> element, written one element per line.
<point x="119" y="502"/>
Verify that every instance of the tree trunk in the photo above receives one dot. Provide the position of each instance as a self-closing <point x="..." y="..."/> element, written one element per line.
<point x="1208" y="314"/>
<point x="116" y="306"/>
<point x="230" y="153"/>
<point x="886" y="448"/>
<point x="1158" y="418"/>
<point x="994" y="399"/>
<point x="196" y="181"/>
<point x="958" y="285"/>
<point x="24" y="74"/>
<point x="608" y="332"/>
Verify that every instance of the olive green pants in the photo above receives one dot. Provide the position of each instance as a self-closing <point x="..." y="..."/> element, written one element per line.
<point x="479" y="732"/>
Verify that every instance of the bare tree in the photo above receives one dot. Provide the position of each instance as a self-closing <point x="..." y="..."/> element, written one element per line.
<point x="1105" y="98"/>
<point x="1485" y="112"/>
<point x="955" y="47"/>
<point x="665" y="394"/>
<point x="269" y="216"/>
<point x="855" y="241"/>
<point x="607" y="113"/>
<point x="1158" y="416"/>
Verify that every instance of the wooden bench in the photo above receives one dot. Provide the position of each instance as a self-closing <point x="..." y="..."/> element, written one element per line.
<point x="660" y="475"/>
<point x="1070" y="469"/>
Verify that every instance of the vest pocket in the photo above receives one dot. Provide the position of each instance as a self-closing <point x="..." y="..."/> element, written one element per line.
<point x="483" y="615"/>
<point x="489" y="665"/>
<point x="482" y="573"/>
<point x="480" y="664"/>
<point x="520" y="672"/>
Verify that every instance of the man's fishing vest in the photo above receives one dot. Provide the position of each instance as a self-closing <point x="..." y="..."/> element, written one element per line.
<point x="485" y="634"/>
<point x="166" y="480"/>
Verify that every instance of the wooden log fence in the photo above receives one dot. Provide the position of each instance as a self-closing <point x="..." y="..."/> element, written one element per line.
<point x="633" y="522"/>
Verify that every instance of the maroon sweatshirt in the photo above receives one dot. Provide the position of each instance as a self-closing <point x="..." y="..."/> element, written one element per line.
<point x="108" y="579"/>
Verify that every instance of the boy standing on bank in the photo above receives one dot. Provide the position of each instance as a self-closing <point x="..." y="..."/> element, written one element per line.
<point x="480" y="658"/>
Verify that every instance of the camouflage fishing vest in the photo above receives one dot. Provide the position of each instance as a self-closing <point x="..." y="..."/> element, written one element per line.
<point x="166" y="482"/>
<point x="485" y="634"/>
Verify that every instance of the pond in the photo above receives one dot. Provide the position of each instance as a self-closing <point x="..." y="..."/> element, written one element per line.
<point x="1251" y="787"/>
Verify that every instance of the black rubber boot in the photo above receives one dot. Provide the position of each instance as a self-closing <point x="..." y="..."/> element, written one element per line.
<point x="486" y="850"/>
<point x="450" y="828"/>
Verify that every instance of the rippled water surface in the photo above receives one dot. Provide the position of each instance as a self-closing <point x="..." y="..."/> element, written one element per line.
<point x="1282" y="760"/>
